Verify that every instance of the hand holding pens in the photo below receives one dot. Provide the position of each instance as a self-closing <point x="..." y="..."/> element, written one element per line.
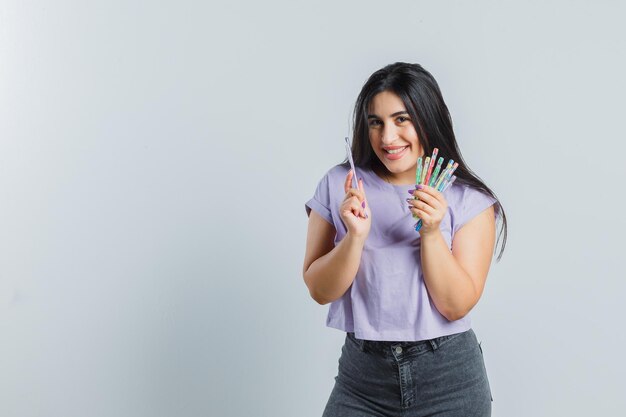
<point x="440" y="182"/>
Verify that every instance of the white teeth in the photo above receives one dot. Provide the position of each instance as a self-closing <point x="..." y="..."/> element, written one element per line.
<point x="396" y="150"/>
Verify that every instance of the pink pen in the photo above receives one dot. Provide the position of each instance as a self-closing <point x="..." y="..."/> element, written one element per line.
<point x="433" y="159"/>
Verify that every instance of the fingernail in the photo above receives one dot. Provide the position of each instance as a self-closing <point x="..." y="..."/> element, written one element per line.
<point x="420" y="186"/>
<point x="410" y="199"/>
<point x="411" y="192"/>
<point x="363" y="204"/>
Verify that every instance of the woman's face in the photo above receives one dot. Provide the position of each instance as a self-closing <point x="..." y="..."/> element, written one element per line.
<point x="391" y="129"/>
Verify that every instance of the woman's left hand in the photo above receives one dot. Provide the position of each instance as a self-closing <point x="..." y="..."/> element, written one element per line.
<point x="431" y="207"/>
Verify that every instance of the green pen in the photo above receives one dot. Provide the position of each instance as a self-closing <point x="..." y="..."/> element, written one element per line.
<point x="418" y="174"/>
<point x="425" y="170"/>
<point x="437" y="168"/>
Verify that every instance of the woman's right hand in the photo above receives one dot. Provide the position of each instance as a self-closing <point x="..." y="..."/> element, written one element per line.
<point x="354" y="210"/>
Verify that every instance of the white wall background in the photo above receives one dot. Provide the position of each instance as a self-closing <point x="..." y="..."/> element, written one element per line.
<point x="155" y="158"/>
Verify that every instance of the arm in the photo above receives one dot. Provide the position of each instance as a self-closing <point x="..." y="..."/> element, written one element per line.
<point x="455" y="280"/>
<point x="329" y="270"/>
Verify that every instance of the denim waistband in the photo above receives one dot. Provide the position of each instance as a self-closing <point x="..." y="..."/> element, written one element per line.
<point x="388" y="346"/>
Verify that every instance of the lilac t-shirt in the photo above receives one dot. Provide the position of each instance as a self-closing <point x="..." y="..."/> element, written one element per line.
<point x="388" y="299"/>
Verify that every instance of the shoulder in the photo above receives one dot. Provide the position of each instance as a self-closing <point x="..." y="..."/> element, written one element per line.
<point x="325" y="193"/>
<point x="339" y="171"/>
<point x="335" y="176"/>
<point x="466" y="202"/>
<point x="465" y="195"/>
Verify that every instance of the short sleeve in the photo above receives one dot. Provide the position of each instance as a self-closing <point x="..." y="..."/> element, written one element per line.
<point x="321" y="200"/>
<point x="471" y="204"/>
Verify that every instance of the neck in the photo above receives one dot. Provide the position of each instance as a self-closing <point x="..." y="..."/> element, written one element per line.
<point x="395" y="179"/>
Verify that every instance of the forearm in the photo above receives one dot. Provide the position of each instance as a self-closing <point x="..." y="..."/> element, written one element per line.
<point x="331" y="275"/>
<point x="450" y="287"/>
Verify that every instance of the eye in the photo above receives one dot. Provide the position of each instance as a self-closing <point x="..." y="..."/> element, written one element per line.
<point x="374" y="122"/>
<point x="402" y="119"/>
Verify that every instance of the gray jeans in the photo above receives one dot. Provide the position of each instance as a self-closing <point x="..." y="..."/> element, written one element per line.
<point x="443" y="377"/>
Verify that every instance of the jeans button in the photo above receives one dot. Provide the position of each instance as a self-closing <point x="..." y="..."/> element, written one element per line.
<point x="399" y="350"/>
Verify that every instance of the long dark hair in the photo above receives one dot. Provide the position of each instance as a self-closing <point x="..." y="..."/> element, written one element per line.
<point x="420" y="93"/>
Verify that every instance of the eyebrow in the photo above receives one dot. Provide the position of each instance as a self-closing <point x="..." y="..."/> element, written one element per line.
<point x="398" y="113"/>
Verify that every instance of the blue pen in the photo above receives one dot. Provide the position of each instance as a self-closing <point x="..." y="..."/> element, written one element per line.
<point x="448" y="184"/>
<point x="444" y="175"/>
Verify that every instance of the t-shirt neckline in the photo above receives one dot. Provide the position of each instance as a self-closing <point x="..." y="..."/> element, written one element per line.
<point x="387" y="184"/>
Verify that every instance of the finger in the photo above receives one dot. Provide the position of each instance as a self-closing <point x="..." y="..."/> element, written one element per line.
<point x="356" y="193"/>
<point x="431" y="191"/>
<point x="362" y="189"/>
<point x="353" y="204"/>
<point x="428" y="198"/>
<point x="421" y="214"/>
<point x="349" y="207"/>
<point x="360" y="184"/>
<point x="360" y="207"/>
<point x="420" y="205"/>
<point x="414" y="210"/>
<point x="357" y="203"/>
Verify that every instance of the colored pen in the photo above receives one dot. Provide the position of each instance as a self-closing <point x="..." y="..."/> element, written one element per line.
<point x="355" y="182"/>
<point x="434" y="177"/>
<point x="444" y="175"/>
<point x="454" y="167"/>
<point x="425" y="170"/>
<point x="449" y="174"/>
<point x="422" y="173"/>
<point x="432" y="164"/>
<point x="449" y="183"/>
<point x="418" y="174"/>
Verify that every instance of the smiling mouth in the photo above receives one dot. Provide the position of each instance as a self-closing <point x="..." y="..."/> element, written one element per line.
<point x="395" y="151"/>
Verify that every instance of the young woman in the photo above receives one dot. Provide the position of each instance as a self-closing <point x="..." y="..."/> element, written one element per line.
<point x="402" y="297"/>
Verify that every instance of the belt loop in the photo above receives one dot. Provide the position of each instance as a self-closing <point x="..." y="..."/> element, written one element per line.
<point x="359" y="342"/>
<point x="433" y="344"/>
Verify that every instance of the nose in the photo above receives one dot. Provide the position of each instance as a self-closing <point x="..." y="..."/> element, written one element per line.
<point x="389" y="134"/>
